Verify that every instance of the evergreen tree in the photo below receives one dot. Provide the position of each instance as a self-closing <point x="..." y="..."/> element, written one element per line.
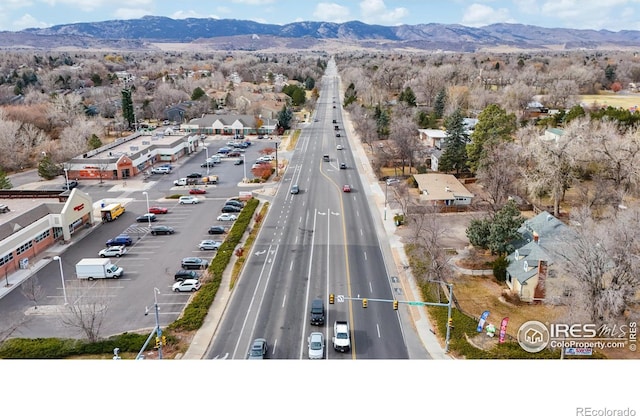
<point x="284" y="118"/>
<point x="575" y="112"/>
<point x="127" y="107"/>
<point x="454" y="155"/>
<point x="494" y="126"/>
<point x="47" y="169"/>
<point x="350" y="94"/>
<point x="504" y="228"/>
<point x="408" y="97"/>
<point x="94" y="142"/>
<point x="197" y="94"/>
<point x="5" y="182"/>
<point x="441" y="101"/>
<point x="382" y="122"/>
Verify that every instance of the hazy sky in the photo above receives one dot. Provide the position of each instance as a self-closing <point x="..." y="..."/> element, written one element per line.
<point x="613" y="15"/>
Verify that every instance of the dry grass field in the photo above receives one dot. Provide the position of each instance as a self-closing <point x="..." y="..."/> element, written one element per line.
<point x="605" y="99"/>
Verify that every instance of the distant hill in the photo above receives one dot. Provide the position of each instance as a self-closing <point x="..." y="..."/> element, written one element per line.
<point x="230" y="34"/>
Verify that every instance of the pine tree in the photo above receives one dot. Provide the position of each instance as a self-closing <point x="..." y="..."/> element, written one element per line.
<point x="494" y="126"/>
<point x="454" y="155"/>
<point x="441" y="101"/>
<point x="5" y="182"/>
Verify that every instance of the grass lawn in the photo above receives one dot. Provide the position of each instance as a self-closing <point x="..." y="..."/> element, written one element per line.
<point x="611" y="99"/>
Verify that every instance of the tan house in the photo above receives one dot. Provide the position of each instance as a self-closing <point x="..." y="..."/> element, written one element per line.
<point x="438" y="189"/>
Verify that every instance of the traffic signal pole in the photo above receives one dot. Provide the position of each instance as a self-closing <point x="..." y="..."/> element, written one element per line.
<point x="395" y="302"/>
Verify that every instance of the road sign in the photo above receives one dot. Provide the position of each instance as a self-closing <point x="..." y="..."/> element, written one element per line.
<point x="341" y="298"/>
<point x="415" y="303"/>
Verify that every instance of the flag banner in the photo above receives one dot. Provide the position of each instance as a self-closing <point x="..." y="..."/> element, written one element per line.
<point x="483" y="319"/>
<point x="503" y="329"/>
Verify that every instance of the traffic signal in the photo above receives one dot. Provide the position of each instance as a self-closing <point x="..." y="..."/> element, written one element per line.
<point x="157" y="342"/>
<point x="364" y="303"/>
<point x="451" y="322"/>
<point x="331" y="298"/>
<point x="164" y="340"/>
<point x="395" y="305"/>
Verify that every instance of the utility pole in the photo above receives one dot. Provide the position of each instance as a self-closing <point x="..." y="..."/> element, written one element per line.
<point x="277" y="159"/>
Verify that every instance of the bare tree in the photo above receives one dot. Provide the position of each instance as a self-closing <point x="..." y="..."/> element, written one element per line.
<point x="87" y="310"/>
<point x="32" y="290"/>
<point x="599" y="264"/>
<point x="501" y="157"/>
<point x="11" y="323"/>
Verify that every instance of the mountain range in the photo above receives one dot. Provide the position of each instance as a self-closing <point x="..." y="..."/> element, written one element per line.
<point x="148" y="32"/>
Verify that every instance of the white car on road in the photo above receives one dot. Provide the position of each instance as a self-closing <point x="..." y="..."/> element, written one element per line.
<point x="227" y="217"/>
<point x="209" y="245"/>
<point x="188" y="199"/>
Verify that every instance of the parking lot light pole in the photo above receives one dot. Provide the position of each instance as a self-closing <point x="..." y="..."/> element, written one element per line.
<point x="158" y="330"/>
<point x="277" y="159"/>
<point x="244" y="164"/>
<point x="146" y="194"/>
<point x="206" y="149"/>
<point x="386" y="188"/>
<point x="64" y="290"/>
<point x="66" y="177"/>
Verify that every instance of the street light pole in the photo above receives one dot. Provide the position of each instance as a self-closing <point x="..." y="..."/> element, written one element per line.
<point x="386" y="188"/>
<point x="146" y="194"/>
<point x="64" y="290"/>
<point x="66" y="178"/>
<point x="446" y="343"/>
<point x="158" y="330"/>
<point x="277" y="159"/>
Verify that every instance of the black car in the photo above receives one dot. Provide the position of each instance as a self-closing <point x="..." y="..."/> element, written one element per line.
<point x="146" y="218"/>
<point x="343" y="165"/>
<point x="235" y="203"/>
<point x="184" y="274"/>
<point x="69" y="185"/>
<point x="197" y="263"/>
<point x="194" y="175"/>
<point x="217" y="229"/>
<point x="161" y="229"/>
<point x="207" y="164"/>
<point x="231" y="208"/>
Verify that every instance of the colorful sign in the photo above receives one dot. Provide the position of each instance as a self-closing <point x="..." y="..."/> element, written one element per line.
<point x="503" y="329"/>
<point x="483" y="319"/>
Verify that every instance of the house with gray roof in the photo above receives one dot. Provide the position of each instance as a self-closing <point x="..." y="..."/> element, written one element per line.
<point x="531" y="265"/>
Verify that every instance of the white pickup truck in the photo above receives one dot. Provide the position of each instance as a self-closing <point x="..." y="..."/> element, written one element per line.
<point x="341" y="336"/>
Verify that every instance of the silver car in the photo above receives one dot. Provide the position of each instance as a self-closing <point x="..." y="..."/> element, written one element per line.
<point x="209" y="245"/>
<point x="316" y="346"/>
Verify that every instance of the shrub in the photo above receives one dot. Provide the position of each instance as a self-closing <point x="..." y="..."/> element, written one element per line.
<point x="500" y="268"/>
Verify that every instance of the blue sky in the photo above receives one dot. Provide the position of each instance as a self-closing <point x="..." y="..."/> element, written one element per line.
<point x="613" y="15"/>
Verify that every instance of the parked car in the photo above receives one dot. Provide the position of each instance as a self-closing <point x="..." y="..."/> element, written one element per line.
<point x="161" y="170"/>
<point x="187" y="285"/>
<point x="227" y="217"/>
<point x="69" y="185"/>
<point x="208" y="164"/>
<point x="238" y="162"/>
<point x="161" y="229"/>
<point x="113" y="251"/>
<point x="316" y="345"/>
<point x="224" y="150"/>
<point x="188" y="199"/>
<point x="158" y="210"/>
<point x="209" y="245"/>
<point x="346" y="188"/>
<point x="148" y="217"/>
<point x="121" y="240"/>
<point x="295" y="189"/>
<point x="258" y="350"/>
<point x="217" y="229"/>
<point x="234" y="202"/>
<point x="184" y="274"/>
<point x="194" y="263"/>
<point x="343" y="165"/>
<point x="337" y="134"/>
<point x="231" y="208"/>
<point x="391" y="181"/>
<point x="234" y="154"/>
<point x="194" y="175"/>
<point x="197" y="191"/>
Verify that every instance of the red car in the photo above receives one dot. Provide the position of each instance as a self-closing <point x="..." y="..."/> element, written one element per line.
<point x="346" y="188"/>
<point x="158" y="210"/>
<point x="197" y="191"/>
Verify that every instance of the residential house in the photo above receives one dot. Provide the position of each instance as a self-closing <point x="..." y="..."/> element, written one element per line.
<point x="437" y="189"/>
<point x="530" y="269"/>
<point x="552" y="135"/>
